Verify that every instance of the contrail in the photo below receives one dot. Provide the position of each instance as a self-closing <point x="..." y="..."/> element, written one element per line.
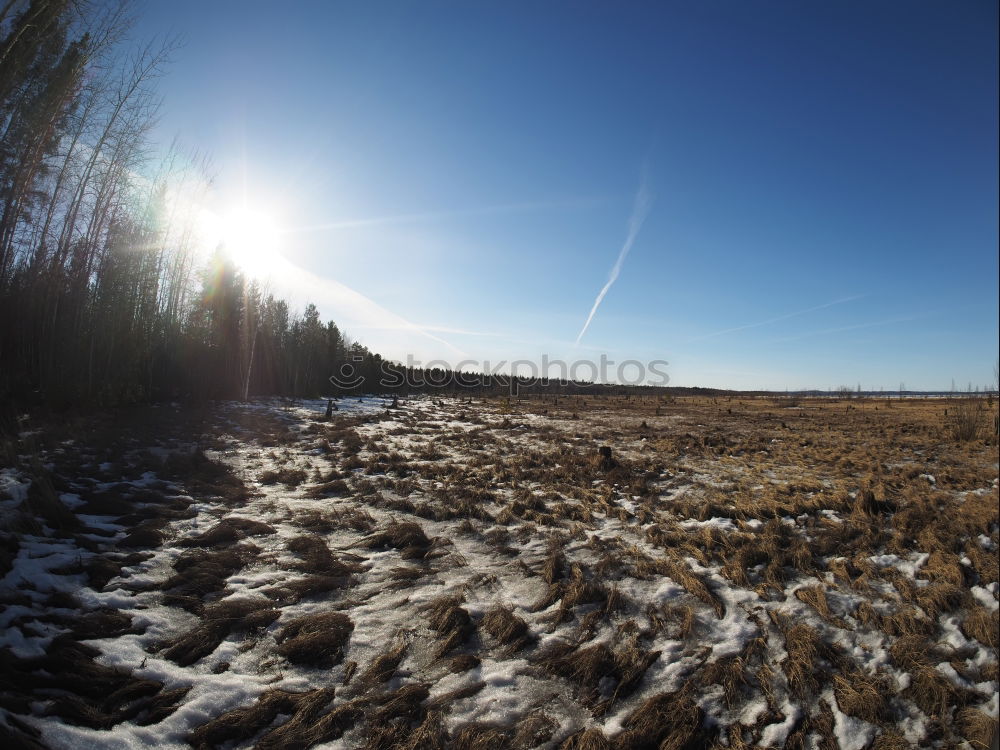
<point x="640" y="209"/>
<point x="777" y="319"/>
<point x="842" y="329"/>
<point x="429" y="216"/>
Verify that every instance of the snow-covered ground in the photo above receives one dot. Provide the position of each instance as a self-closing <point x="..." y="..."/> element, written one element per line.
<point x="423" y="525"/>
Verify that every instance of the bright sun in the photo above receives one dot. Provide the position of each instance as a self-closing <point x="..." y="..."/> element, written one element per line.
<point x="250" y="236"/>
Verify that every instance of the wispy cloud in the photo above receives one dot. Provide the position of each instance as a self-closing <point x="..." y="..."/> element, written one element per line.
<point x="777" y="319"/>
<point x="429" y="216"/>
<point x="440" y="329"/>
<point x="507" y="338"/>
<point x="461" y="331"/>
<point x="640" y="209"/>
<point x="858" y="326"/>
<point x="353" y="310"/>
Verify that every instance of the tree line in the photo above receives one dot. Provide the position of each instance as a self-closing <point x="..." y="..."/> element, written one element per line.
<point x="105" y="297"/>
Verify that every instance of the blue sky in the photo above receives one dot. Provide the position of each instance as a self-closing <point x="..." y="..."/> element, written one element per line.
<point x="821" y="177"/>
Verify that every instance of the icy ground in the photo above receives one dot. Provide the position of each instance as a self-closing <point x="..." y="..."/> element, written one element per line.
<point x="523" y="609"/>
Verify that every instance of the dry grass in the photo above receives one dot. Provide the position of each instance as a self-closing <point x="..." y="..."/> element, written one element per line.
<point x="966" y="418"/>
<point x="815" y="597"/>
<point x="81" y="691"/>
<point x="43" y="502"/>
<point x="814" y="499"/>
<point x="444" y="701"/>
<point x="680" y="571"/>
<point x="732" y="673"/>
<point x="244" y="722"/>
<point x="218" y="621"/>
<point x="534" y="730"/>
<point x="286" y="476"/>
<point x="331" y="488"/>
<point x="555" y="565"/>
<point x="506" y="627"/>
<point x="405" y="536"/>
<point x="317" y="558"/>
<point x="305" y="727"/>
<point x="932" y="691"/>
<point x="585" y="667"/>
<point x="229" y="531"/>
<point x="451" y="621"/>
<point x="199" y="574"/>
<point x="977" y="727"/>
<point x="429" y="735"/>
<point x="481" y="736"/>
<point x="805" y="649"/>
<point x="316" y="640"/>
<point x="982" y="625"/>
<point x="667" y="720"/>
<point x="384" y="665"/>
<point x="891" y="740"/>
<point x="864" y="696"/>
<point x="587" y="739"/>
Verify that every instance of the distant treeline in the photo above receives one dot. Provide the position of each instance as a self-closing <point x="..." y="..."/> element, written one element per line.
<point x="395" y="378"/>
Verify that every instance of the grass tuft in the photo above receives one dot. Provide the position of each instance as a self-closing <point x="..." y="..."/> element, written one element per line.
<point x="316" y="640"/>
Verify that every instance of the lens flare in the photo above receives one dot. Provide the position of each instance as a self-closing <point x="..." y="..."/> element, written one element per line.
<point x="250" y="236"/>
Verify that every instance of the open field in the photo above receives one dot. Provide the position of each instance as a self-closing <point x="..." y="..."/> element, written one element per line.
<point x="480" y="574"/>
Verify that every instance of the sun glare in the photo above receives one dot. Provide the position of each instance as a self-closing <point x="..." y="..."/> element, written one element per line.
<point x="253" y="240"/>
<point x="251" y="237"/>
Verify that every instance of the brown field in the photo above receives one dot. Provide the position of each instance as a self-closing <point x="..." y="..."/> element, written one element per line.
<point x="733" y="572"/>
